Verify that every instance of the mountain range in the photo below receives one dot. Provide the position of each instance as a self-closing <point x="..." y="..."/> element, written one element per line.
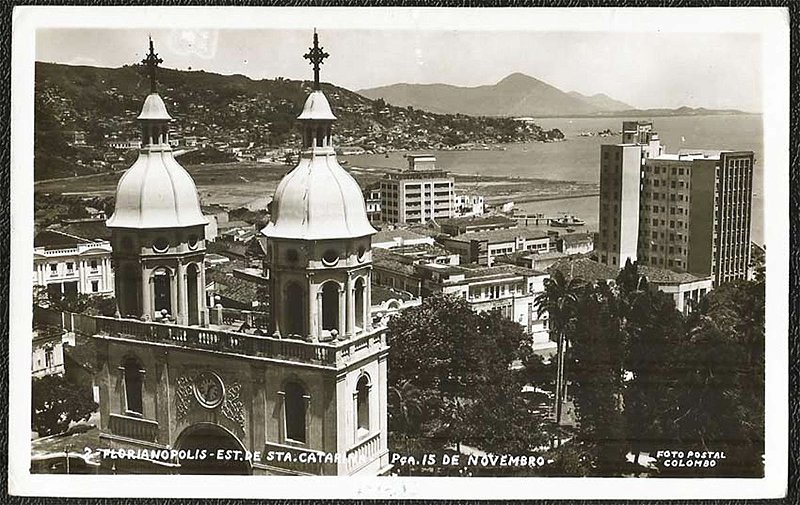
<point x="516" y="95"/>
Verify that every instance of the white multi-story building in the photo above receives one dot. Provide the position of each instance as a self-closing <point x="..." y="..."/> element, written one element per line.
<point x="688" y="211"/>
<point x="469" y="205"/>
<point x="420" y="194"/>
<point x="509" y="288"/>
<point x="69" y="264"/>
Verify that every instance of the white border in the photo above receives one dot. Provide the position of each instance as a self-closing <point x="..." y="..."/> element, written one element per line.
<point x="771" y="23"/>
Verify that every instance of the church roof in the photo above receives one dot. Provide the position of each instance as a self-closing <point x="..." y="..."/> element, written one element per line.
<point x="318" y="200"/>
<point x="317" y="107"/>
<point x="154" y="108"/>
<point x="156" y="192"/>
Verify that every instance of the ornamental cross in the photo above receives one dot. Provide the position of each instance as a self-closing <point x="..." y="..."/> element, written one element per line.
<point x="151" y="62"/>
<point x="315" y="55"/>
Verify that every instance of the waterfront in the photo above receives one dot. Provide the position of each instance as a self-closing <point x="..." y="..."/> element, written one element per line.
<point x="576" y="159"/>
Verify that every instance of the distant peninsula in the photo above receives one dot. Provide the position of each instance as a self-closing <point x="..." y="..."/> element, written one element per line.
<point x="519" y="95"/>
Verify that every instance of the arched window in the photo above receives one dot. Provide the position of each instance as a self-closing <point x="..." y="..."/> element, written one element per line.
<point x="330" y="306"/>
<point x="134" y="382"/>
<point x="320" y="137"/>
<point x="362" y="404"/>
<point x="359" y="303"/>
<point x="295" y="320"/>
<point x="294" y="410"/>
<point x="163" y="290"/>
<point x="128" y="291"/>
<point x="192" y="278"/>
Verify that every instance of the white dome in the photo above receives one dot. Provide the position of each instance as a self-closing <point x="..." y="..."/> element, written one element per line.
<point x="317" y="107"/>
<point x="154" y="108"/>
<point x="156" y="192"/>
<point x="318" y="200"/>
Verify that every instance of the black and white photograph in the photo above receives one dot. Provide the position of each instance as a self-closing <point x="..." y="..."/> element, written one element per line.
<point x="497" y="253"/>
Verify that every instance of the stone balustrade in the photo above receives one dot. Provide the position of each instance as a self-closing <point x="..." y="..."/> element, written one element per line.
<point x="134" y="428"/>
<point x="195" y="337"/>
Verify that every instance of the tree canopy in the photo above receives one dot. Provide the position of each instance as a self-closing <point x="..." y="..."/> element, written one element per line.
<point x="451" y="380"/>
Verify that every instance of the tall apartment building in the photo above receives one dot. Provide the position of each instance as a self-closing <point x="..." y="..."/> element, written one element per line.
<point x="688" y="211"/>
<point x="419" y="194"/>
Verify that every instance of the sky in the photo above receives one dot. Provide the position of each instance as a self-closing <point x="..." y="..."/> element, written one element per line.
<point x="645" y="70"/>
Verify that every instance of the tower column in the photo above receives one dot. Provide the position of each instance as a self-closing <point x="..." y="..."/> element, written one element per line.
<point x="201" y="294"/>
<point x="351" y="306"/>
<point x="342" y="311"/>
<point x="183" y="295"/>
<point x="147" y="293"/>
<point x="173" y="293"/>
<point x="311" y="304"/>
<point x="368" y="302"/>
<point x="317" y="315"/>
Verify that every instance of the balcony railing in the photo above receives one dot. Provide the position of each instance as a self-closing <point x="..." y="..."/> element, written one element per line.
<point x="320" y="353"/>
<point x="364" y="452"/>
<point x="135" y="428"/>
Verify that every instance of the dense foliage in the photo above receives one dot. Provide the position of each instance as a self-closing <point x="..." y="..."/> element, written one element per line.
<point x="451" y="382"/>
<point x="56" y="402"/>
<point x="645" y="378"/>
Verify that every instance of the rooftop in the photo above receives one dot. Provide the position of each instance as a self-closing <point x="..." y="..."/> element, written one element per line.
<point x="391" y="235"/>
<point x="476" y="221"/>
<point x="575" y="238"/>
<point x="662" y="275"/>
<point x="382" y="294"/>
<point x="89" y="229"/>
<point x="51" y="239"/>
<point x="584" y="268"/>
<point x="474" y="271"/>
<point x="388" y="260"/>
<point x="502" y="235"/>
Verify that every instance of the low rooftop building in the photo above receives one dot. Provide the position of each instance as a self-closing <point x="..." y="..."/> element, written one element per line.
<point x="482" y="247"/>
<point x="459" y="225"/>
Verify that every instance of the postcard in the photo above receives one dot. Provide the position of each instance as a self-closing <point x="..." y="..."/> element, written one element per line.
<point x="453" y="253"/>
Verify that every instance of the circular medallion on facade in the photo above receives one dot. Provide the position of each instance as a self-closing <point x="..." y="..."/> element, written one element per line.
<point x="330" y="257"/>
<point x="192" y="241"/>
<point x="161" y="244"/>
<point x="209" y="390"/>
<point x="362" y="253"/>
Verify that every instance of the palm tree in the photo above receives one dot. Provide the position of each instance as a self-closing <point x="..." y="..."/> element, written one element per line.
<point x="558" y="301"/>
<point x="405" y="405"/>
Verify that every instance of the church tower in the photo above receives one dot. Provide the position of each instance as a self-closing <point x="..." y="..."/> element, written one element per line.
<point x="158" y="229"/>
<point x="320" y="260"/>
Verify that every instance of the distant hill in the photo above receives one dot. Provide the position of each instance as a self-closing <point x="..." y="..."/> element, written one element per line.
<point x="229" y="111"/>
<point x="601" y="102"/>
<point x="516" y="95"/>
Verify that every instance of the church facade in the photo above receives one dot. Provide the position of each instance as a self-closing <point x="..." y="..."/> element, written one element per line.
<point x="183" y="396"/>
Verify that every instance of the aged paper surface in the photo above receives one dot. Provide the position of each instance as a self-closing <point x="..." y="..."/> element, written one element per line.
<point x="443" y="253"/>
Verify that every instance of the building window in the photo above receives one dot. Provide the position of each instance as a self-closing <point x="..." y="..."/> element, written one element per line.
<point x="48" y="356"/>
<point x="294" y="411"/>
<point x="70" y="267"/>
<point x="95" y="286"/>
<point x="330" y="306"/>
<point x="134" y="382"/>
<point x="94" y="265"/>
<point x="295" y="304"/>
<point x="359" y="302"/>
<point x="362" y="404"/>
<point x="53" y="268"/>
